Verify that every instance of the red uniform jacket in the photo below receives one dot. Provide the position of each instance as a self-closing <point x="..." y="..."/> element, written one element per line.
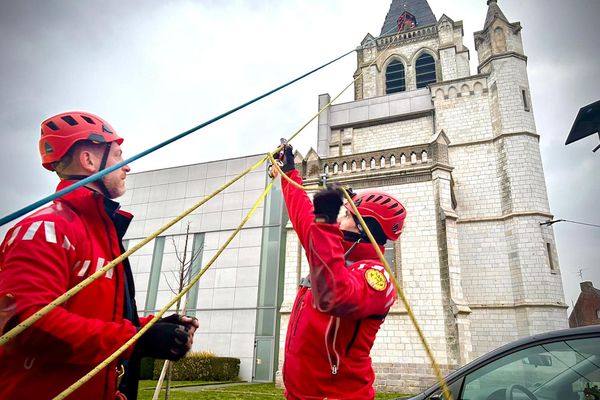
<point x="333" y="324"/>
<point x="43" y="256"/>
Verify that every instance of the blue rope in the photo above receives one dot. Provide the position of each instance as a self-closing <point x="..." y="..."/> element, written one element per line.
<point x="112" y="168"/>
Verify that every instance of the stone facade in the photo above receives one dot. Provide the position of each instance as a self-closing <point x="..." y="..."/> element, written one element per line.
<point x="463" y="156"/>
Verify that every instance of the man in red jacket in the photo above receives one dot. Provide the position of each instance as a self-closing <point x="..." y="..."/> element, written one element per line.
<point x="55" y="248"/>
<point x="343" y="302"/>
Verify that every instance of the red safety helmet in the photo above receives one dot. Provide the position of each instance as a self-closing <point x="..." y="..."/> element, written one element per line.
<point x="382" y="207"/>
<point x="62" y="131"/>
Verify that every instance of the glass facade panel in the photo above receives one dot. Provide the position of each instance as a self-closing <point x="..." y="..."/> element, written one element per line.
<point x="157" y="257"/>
<point x="263" y="362"/>
<point x="269" y="292"/>
<point x="197" y="250"/>
<point x="265" y="322"/>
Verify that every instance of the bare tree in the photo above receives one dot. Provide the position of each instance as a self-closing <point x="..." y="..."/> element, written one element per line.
<point x="182" y="275"/>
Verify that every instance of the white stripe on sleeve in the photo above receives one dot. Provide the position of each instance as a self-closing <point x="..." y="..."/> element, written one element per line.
<point x="83" y="270"/>
<point x="50" y="231"/>
<point x="14" y="235"/>
<point x="32" y="230"/>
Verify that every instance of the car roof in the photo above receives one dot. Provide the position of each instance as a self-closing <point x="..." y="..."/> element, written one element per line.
<point x="541" y="338"/>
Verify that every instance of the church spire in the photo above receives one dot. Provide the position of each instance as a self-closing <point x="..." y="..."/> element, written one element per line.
<point x="493" y="12"/>
<point x="406" y="14"/>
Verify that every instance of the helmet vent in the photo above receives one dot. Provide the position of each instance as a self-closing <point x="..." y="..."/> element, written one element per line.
<point x="399" y="212"/>
<point x="378" y="198"/>
<point x="69" y="120"/>
<point x="52" y="126"/>
<point x="105" y="129"/>
<point x="393" y="206"/>
<point x="47" y="148"/>
<point x="370" y="197"/>
<point x="386" y="201"/>
<point x="88" y="120"/>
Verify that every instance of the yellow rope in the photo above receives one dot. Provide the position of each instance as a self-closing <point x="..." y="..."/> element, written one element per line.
<point x="399" y="291"/>
<point x="193" y="281"/>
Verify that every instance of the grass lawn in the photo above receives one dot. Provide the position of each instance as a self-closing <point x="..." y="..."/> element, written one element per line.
<point x="262" y="391"/>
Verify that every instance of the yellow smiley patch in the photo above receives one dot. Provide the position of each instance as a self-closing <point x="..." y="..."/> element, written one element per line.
<point x="376" y="279"/>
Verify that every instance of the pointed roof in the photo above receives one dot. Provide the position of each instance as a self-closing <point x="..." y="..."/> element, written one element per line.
<point x="493" y="12"/>
<point x="419" y="8"/>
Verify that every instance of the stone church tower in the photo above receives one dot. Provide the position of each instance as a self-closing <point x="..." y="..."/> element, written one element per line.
<point x="461" y="152"/>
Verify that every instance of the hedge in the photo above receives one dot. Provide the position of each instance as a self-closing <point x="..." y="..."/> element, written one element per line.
<point x="202" y="367"/>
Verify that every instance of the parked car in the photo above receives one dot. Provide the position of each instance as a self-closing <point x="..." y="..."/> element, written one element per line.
<point x="558" y="365"/>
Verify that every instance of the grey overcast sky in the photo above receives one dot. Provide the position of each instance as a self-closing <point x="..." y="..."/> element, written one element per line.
<point x="155" y="68"/>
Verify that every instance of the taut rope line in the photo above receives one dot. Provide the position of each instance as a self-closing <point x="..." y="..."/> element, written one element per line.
<point x="108" y="170"/>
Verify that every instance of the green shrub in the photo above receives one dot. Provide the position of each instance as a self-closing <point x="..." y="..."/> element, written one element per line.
<point x="202" y="367"/>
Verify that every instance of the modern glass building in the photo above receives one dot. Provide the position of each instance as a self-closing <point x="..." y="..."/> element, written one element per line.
<point x="237" y="298"/>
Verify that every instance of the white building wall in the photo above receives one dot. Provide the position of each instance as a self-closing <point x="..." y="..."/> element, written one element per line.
<point x="228" y="290"/>
<point x="395" y="134"/>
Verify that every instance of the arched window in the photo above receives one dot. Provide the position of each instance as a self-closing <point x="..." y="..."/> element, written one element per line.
<point x="394" y="78"/>
<point x="326" y="169"/>
<point x="363" y="165"/>
<point x="382" y="162"/>
<point x="393" y="160"/>
<point x="335" y="168"/>
<point x="353" y="166"/>
<point x="425" y="70"/>
<point x="372" y="163"/>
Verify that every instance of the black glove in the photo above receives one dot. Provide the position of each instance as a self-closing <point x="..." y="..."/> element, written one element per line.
<point x="327" y="204"/>
<point x="175" y="319"/>
<point x="287" y="158"/>
<point x="164" y="340"/>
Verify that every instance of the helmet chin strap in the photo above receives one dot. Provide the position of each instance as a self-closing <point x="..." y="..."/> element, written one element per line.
<point x="99" y="182"/>
<point x="351" y="237"/>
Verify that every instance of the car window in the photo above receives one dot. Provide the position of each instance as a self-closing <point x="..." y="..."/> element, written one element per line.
<point x="555" y="371"/>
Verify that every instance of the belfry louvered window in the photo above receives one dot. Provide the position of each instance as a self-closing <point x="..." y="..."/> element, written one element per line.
<point x="394" y="78"/>
<point x="425" y="70"/>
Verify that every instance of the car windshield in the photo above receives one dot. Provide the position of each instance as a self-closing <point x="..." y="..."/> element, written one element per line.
<point x="565" y="370"/>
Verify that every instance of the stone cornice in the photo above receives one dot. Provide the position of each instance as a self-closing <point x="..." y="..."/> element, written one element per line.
<point x="520" y="304"/>
<point x="447" y="46"/>
<point x="401" y="38"/>
<point x="458" y="80"/>
<point x="504" y="217"/>
<point x="399" y="309"/>
<point x="384" y="120"/>
<point x="410" y="164"/>
<point x="495" y="139"/>
<point x="499" y="57"/>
